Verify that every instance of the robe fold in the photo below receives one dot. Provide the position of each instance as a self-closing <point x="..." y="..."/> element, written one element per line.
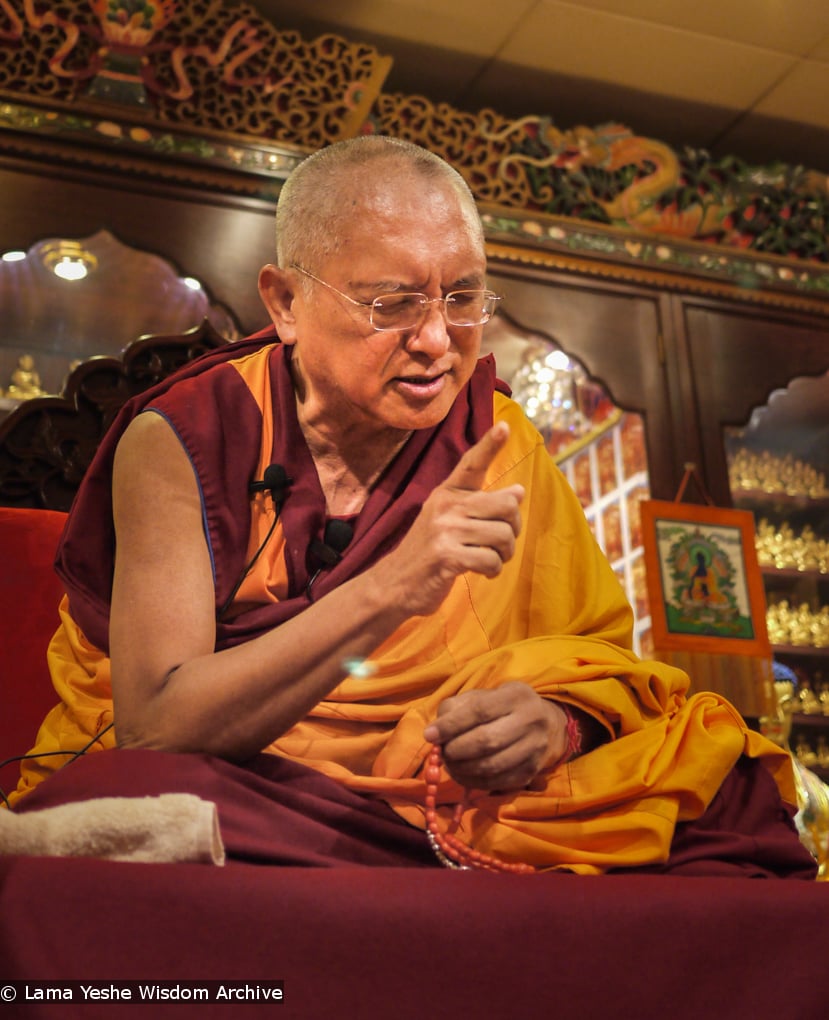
<point x="556" y="618"/>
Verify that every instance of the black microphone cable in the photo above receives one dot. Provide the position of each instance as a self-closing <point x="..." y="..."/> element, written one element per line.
<point x="276" y="480"/>
<point x="73" y="755"/>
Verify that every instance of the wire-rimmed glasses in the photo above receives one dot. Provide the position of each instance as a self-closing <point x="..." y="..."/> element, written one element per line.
<point x="393" y="312"/>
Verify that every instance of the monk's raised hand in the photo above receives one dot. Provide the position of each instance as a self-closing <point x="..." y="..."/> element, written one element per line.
<point x="461" y="527"/>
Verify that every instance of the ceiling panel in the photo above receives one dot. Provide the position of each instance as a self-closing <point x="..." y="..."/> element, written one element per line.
<point x="801" y="95"/>
<point x="643" y="55"/>
<point x="739" y="77"/>
<point x="788" y="26"/>
<point x="820" y="51"/>
<point x="468" y="26"/>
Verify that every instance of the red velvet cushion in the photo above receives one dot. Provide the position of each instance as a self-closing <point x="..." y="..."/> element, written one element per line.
<point x="29" y="595"/>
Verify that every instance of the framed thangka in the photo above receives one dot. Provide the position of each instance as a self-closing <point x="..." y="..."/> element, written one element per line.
<point x="707" y="601"/>
<point x="704" y="582"/>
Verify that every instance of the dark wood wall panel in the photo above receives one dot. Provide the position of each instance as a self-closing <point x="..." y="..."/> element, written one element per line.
<point x="221" y="240"/>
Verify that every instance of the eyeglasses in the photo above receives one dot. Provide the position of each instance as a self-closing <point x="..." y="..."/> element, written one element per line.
<point x="390" y="312"/>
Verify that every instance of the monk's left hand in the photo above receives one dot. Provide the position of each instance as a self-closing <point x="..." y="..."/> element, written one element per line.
<point x="498" y="739"/>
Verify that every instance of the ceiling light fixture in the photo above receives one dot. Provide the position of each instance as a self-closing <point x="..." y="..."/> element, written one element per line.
<point x="68" y="259"/>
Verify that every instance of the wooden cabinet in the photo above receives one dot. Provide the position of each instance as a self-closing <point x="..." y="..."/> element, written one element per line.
<point x="734" y="356"/>
<point x="693" y="365"/>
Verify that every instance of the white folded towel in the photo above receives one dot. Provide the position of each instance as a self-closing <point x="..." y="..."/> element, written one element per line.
<point x="171" y="827"/>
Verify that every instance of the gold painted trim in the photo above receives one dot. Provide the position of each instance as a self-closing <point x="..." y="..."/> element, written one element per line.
<point x="663" y="280"/>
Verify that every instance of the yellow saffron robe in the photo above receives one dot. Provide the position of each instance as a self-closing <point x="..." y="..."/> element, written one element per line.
<point x="557" y="619"/>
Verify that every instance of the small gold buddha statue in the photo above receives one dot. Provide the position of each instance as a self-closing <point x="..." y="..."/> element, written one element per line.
<point x="25" y="380"/>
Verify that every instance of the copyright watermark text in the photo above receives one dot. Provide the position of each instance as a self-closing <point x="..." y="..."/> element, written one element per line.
<point x="140" y="991"/>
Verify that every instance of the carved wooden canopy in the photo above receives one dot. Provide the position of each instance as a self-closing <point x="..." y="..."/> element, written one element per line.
<point x="210" y="82"/>
<point x="47" y="443"/>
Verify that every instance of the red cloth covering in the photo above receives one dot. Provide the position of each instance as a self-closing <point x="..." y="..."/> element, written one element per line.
<point x="407" y="942"/>
<point x="413" y="944"/>
<point x="275" y="811"/>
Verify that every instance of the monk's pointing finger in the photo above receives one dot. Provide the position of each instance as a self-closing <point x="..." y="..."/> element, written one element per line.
<point x="470" y="471"/>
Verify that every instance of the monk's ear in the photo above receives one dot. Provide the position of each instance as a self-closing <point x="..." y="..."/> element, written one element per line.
<point x="278" y="294"/>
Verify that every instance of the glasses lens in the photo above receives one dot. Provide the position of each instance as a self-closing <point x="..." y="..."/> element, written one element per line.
<point x="398" y="311"/>
<point x="470" y="307"/>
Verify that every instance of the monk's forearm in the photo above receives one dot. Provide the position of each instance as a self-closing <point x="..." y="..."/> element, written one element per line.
<point x="235" y="702"/>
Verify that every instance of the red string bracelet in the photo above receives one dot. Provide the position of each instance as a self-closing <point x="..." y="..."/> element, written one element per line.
<point x="574" y="735"/>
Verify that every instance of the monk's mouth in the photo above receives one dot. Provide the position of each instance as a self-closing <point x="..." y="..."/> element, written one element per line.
<point x="421" y="384"/>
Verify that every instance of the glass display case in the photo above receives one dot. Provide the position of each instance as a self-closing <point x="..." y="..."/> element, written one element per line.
<point x="778" y="468"/>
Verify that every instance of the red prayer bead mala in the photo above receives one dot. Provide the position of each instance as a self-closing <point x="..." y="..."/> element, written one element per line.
<point x="449" y="850"/>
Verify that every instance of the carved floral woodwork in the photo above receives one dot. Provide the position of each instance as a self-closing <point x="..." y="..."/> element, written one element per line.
<point x="608" y="175"/>
<point x="212" y="83"/>
<point x="205" y="63"/>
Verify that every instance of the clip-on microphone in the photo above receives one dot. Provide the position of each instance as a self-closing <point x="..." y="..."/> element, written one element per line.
<point x="330" y="548"/>
<point x="276" y="480"/>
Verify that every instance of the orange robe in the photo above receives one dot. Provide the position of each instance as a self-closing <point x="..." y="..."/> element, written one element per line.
<point x="557" y="619"/>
